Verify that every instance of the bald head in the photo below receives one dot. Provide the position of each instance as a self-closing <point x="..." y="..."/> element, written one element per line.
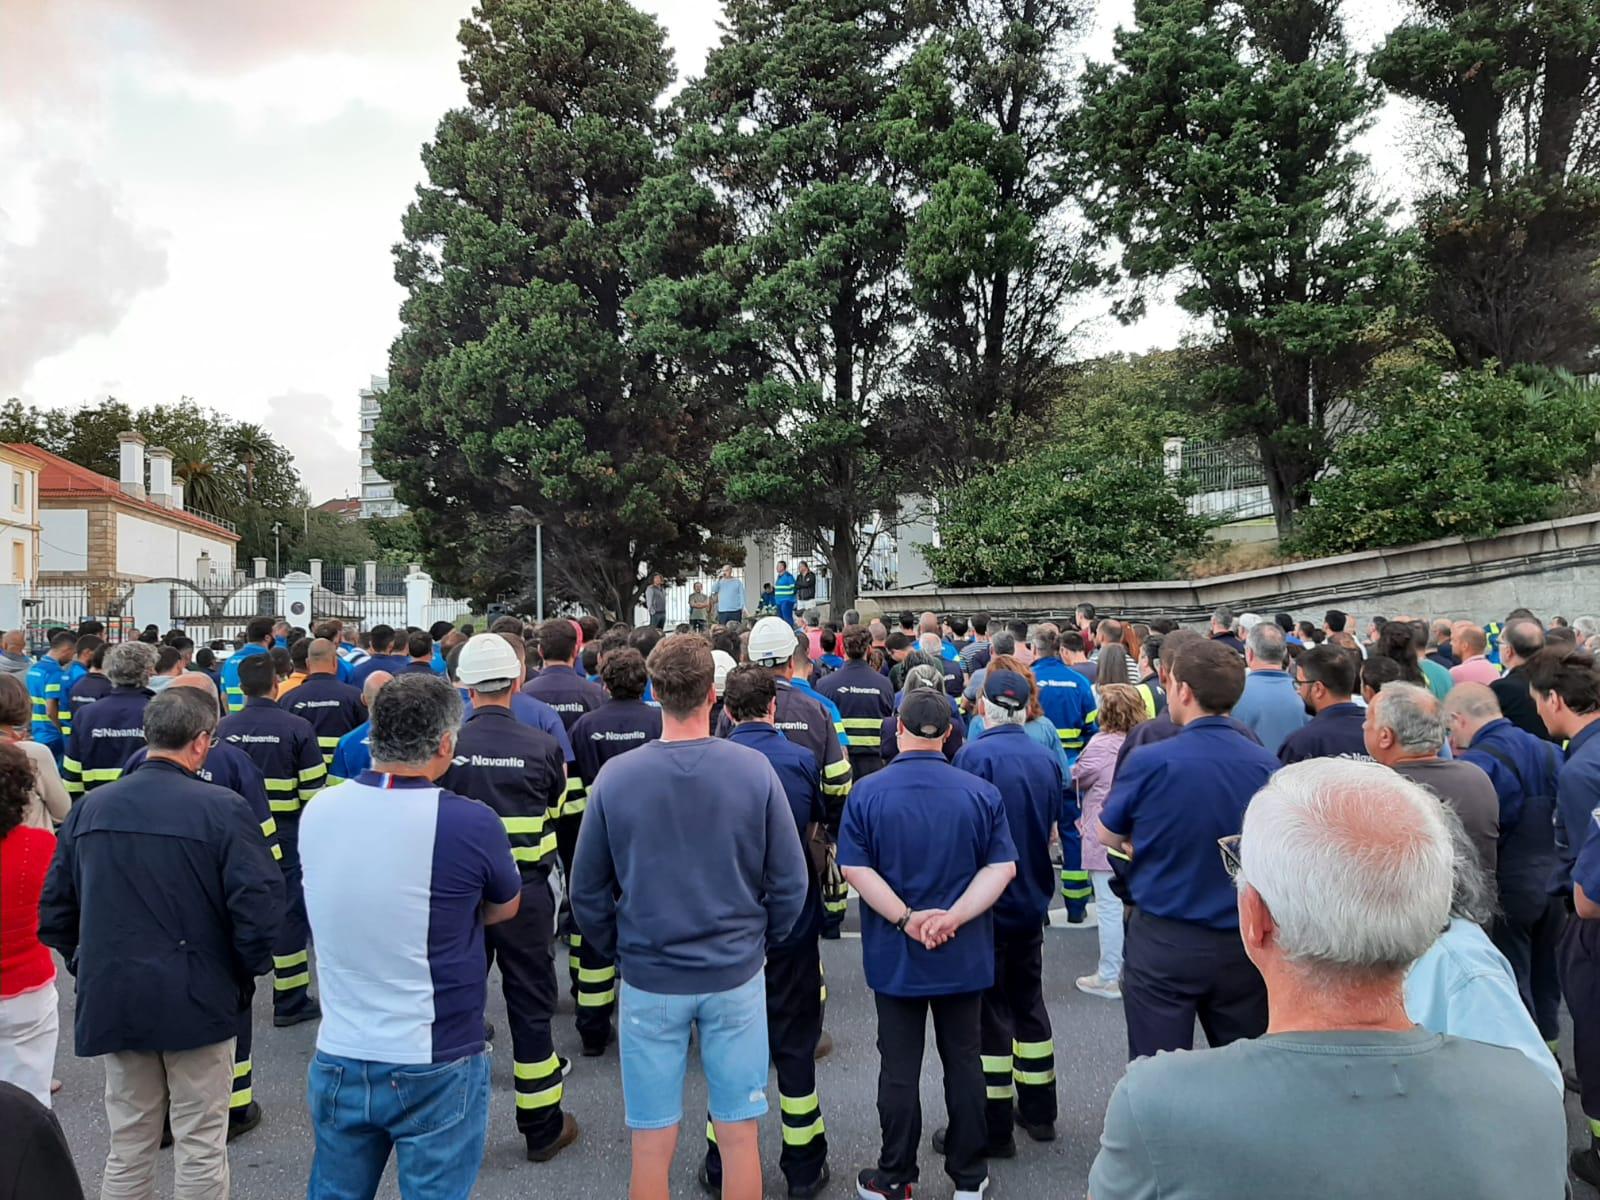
<point x="374" y="682"/>
<point x="14" y="642"/>
<point x="198" y="680"/>
<point x="322" y="657"/>
<point x="929" y="643"/>
<point x="929" y="623"/>
<point x="1468" y="707"/>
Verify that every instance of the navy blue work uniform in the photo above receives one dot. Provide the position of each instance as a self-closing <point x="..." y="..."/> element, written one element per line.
<point x="86" y="691"/>
<point x="229" y="767"/>
<point x="519" y="772"/>
<point x="1527" y="930"/>
<point x="794" y="978"/>
<point x="1183" y="957"/>
<point x="569" y="695"/>
<point x="1577" y="798"/>
<point x="614" y="728"/>
<point x="864" y="699"/>
<point x="928" y="829"/>
<point x="392" y="663"/>
<point x="104" y="738"/>
<point x="1017" y="1045"/>
<point x="1516" y="702"/>
<point x="332" y="708"/>
<point x="284" y="749"/>
<point x="1068" y="700"/>
<point x="164" y="884"/>
<point x="1335" y="732"/>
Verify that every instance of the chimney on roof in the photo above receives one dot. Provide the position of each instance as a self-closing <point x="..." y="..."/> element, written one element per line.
<point x="160" y="475"/>
<point x="132" y="480"/>
<point x="177" y="494"/>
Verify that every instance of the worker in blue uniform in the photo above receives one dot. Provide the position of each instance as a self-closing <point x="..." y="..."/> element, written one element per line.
<point x="332" y="708"/>
<point x="622" y="723"/>
<point x="91" y="686"/>
<point x="1018" y="1046"/>
<point x="1565" y="685"/>
<point x="1068" y="700"/>
<point x="1524" y="770"/>
<point x="865" y="700"/>
<point x="519" y="772"/>
<point x="353" y="754"/>
<point x="285" y="749"/>
<point x="108" y="732"/>
<point x="44" y="681"/>
<point x="228" y="766"/>
<point x="257" y="641"/>
<point x="794" y="965"/>
<point x="783" y="594"/>
<point x="75" y="671"/>
<point x="570" y="695"/>
<point x="928" y="849"/>
<point x="1168" y="806"/>
<point x="388" y="653"/>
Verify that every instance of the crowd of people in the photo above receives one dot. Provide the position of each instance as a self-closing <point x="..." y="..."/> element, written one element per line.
<point x="1361" y="862"/>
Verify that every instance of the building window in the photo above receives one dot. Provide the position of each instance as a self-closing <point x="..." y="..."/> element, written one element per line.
<point x="19" y="563"/>
<point x="16" y="490"/>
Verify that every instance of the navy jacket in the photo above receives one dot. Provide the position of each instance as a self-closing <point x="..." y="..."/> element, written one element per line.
<point x="104" y="738"/>
<point x="1335" y="732"/>
<point x="229" y="767"/>
<point x="614" y="728"/>
<point x="283" y="746"/>
<point x="1577" y="798"/>
<point x="164" y="900"/>
<point x="1516" y="702"/>
<point x="1523" y="769"/>
<point x="564" y="690"/>
<point x="797" y="773"/>
<point x="518" y="771"/>
<point x="333" y="708"/>
<point x="1162" y="727"/>
<point x="1032" y="790"/>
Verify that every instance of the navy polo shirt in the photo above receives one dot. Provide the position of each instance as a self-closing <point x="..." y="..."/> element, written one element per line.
<point x="1173" y="800"/>
<point x="1578" y="796"/>
<point x="1030" y="783"/>
<point x="928" y="829"/>
<point x="1586" y="870"/>
<point x="1335" y="732"/>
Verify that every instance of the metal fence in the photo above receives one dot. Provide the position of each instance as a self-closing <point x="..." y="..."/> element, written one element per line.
<point x="1227" y="479"/>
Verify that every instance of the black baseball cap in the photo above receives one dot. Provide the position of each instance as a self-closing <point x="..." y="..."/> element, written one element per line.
<point x="1006" y="689"/>
<point x="925" y="713"/>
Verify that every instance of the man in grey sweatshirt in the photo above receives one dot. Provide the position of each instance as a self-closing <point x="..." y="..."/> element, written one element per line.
<point x="688" y="866"/>
<point x="14" y="658"/>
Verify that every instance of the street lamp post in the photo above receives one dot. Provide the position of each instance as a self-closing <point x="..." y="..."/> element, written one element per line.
<point x="277" y="551"/>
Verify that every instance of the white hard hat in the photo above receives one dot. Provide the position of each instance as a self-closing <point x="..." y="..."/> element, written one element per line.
<point x="723" y="662"/>
<point x="487" y="656"/>
<point x="772" y="642"/>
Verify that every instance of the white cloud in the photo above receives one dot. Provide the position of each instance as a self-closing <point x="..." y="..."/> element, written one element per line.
<point x="321" y="434"/>
<point x="77" y="275"/>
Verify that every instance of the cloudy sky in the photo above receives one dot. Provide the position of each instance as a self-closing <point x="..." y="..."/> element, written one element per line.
<point x="200" y="198"/>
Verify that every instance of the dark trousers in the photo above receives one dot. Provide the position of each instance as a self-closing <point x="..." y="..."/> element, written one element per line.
<point x="568" y="826"/>
<point x="1528" y="933"/>
<point x="594" y="987"/>
<point x="1580" y="983"/>
<point x="291" y="964"/>
<point x="902" y="1032"/>
<point x="243" y="1069"/>
<point x="1173" y="972"/>
<point x="794" y="1023"/>
<point x="658" y="620"/>
<point x="524" y="949"/>
<point x="731" y="616"/>
<point x="1076" y="890"/>
<point x="1019" y="1054"/>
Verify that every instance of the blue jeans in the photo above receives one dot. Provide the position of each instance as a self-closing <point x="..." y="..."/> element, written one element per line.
<point x="653" y="1029"/>
<point x="435" y="1116"/>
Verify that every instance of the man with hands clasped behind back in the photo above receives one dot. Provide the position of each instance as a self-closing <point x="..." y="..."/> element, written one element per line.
<point x="928" y="849"/>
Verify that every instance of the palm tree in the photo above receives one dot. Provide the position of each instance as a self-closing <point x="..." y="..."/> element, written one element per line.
<point x="249" y="442"/>
<point x="204" y="487"/>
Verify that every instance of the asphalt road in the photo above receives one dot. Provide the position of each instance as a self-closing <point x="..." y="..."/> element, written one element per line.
<point x="273" y="1162"/>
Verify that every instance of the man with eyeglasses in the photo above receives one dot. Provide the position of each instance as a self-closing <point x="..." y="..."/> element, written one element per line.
<point x="1344" y="878"/>
<point x="1325" y="676"/>
<point x="1170" y="803"/>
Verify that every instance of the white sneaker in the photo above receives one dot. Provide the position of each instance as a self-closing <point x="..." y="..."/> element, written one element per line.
<point x="1106" y="989"/>
<point x="973" y="1194"/>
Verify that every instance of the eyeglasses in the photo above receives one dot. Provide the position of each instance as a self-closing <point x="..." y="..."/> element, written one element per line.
<point x="1232" y="862"/>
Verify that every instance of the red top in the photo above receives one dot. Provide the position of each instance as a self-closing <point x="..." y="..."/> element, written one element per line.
<point x="25" y="963"/>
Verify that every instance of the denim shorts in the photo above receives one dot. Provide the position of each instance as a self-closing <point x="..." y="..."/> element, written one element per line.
<point x="653" y="1030"/>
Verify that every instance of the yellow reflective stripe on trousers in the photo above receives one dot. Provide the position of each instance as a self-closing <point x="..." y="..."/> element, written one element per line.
<point x="515" y="825"/>
<point x="999" y="1064"/>
<point x="538" y="852"/>
<point x="803" y="1135"/>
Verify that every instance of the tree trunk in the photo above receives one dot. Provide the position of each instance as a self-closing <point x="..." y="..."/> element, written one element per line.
<point x="844" y="569"/>
<point x="1282" y="481"/>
